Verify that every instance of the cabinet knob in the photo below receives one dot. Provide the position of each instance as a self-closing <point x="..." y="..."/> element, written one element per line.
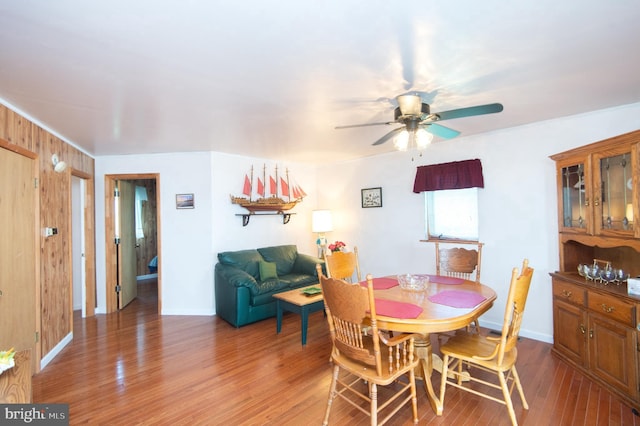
<point x="591" y="334"/>
<point x="607" y="309"/>
<point x="566" y="293"/>
<point x="586" y="202"/>
<point x="583" y="330"/>
<point x="597" y="201"/>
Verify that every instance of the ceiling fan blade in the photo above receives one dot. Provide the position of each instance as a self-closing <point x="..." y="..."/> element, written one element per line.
<point x="470" y="111"/>
<point x="388" y="136"/>
<point x="442" y="131"/>
<point x="363" y="125"/>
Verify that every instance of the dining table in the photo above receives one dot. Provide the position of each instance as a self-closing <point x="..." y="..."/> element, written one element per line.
<point x="447" y="304"/>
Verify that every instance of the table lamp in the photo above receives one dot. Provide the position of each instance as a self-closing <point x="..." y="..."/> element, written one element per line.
<point x="320" y="223"/>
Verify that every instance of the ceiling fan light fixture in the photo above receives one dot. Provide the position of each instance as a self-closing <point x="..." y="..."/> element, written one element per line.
<point x="401" y="142"/>
<point x="410" y="105"/>
<point x="423" y="138"/>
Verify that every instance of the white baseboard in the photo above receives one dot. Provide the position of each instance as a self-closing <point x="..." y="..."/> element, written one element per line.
<point x="524" y="333"/>
<point x="55" y="351"/>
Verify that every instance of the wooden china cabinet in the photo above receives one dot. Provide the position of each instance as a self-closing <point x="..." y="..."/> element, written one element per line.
<point x="597" y="325"/>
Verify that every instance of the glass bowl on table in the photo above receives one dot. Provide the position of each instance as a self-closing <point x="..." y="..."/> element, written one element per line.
<point x="413" y="282"/>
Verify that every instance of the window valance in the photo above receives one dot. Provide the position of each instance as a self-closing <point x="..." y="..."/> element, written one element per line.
<point x="454" y="175"/>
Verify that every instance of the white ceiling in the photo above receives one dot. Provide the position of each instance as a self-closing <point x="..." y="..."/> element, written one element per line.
<point x="272" y="78"/>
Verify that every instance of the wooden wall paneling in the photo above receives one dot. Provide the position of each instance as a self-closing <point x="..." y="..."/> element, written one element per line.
<point x="3" y="123"/>
<point x="90" y="246"/>
<point x="16" y="129"/>
<point x="53" y="205"/>
<point x="23" y="129"/>
<point x="55" y="198"/>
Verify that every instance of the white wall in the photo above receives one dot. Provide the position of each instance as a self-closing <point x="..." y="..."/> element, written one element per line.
<point x="190" y="239"/>
<point x="228" y="172"/>
<point x="517" y="210"/>
<point x="517" y="207"/>
<point x="186" y="235"/>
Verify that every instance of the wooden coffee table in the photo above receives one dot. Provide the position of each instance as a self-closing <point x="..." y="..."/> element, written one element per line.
<point x="297" y="302"/>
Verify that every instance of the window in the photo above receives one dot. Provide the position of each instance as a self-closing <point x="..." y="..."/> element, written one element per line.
<point x="452" y="214"/>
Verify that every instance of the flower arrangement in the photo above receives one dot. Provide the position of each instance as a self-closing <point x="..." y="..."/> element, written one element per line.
<point x="337" y="246"/>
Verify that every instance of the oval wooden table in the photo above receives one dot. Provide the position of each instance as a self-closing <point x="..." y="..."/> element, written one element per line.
<point x="434" y="318"/>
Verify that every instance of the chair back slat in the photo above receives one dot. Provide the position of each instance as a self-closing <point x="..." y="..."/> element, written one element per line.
<point x="459" y="262"/>
<point x="343" y="265"/>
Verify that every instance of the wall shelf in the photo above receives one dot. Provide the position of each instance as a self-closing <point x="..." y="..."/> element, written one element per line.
<point x="246" y="216"/>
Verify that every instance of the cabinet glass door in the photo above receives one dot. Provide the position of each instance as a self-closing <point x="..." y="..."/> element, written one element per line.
<point x="616" y="193"/>
<point x="575" y="200"/>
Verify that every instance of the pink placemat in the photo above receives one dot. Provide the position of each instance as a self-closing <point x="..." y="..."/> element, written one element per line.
<point x="391" y="308"/>
<point x="440" y="279"/>
<point x="381" y="283"/>
<point x="457" y="298"/>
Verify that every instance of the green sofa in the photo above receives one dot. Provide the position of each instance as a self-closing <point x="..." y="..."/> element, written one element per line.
<point x="246" y="280"/>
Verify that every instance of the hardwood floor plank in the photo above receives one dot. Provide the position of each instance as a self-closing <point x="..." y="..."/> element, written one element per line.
<point x="137" y="368"/>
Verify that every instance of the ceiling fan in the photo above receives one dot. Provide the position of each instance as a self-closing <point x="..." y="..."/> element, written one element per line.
<point x="419" y="123"/>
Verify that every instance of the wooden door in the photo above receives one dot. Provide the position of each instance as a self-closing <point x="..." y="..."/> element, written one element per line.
<point x="127" y="246"/>
<point x="18" y="252"/>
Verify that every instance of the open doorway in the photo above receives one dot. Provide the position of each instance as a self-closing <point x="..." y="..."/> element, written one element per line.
<point x="132" y="237"/>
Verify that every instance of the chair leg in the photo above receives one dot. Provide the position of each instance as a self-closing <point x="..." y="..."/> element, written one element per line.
<point x="414" y="398"/>
<point x="332" y="394"/>
<point x="507" y="398"/>
<point x="516" y="378"/>
<point x="443" y="379"/>
<point x="373" y="394"/>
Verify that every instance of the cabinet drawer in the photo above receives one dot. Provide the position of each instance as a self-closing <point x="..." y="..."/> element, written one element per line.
<point x="569" y="292"/>
<point x="613" y="308"/>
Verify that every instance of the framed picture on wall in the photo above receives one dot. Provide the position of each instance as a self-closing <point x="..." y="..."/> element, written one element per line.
<point x="371" y="197"/>
<point x="184" y="201"/>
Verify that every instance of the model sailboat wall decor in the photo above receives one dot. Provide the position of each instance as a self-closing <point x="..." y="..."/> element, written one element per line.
<point x="269" y="193"/>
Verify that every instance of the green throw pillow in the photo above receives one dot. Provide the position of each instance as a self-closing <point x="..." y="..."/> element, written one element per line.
<point x="267" y="270"/>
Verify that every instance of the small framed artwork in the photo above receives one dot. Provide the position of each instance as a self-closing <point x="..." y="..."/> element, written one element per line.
<point x="371" y="197"/>
<point x="184" y="201"/>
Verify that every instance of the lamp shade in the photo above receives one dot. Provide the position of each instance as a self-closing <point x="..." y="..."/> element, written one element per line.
<point x="321" y="221"/>
<point x="410" y="104"/>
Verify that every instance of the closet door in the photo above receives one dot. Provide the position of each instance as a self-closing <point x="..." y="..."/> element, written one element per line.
<point x="18" y="252"/>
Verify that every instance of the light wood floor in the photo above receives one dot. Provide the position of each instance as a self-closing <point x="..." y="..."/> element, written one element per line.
<point x="137" y="368"/>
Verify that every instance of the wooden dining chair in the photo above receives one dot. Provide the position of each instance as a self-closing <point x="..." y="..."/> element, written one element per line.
<point x="494" y="354"/>
<point x="454" y="260"/>
<point x="459" y="261"/>
<point x="364" y="361"/>
<point x="343" y="265"/>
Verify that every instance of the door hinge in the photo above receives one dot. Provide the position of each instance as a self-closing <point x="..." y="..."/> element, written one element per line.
<point x="118" y="288"/>
<point x="116" y="192"/>
<point x="35" y="182"/>
<point x="37" y="336"/>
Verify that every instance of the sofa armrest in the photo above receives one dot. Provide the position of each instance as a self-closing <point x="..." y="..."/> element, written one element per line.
<point x="234" y="277"/>
<point x="306" y="264"/>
